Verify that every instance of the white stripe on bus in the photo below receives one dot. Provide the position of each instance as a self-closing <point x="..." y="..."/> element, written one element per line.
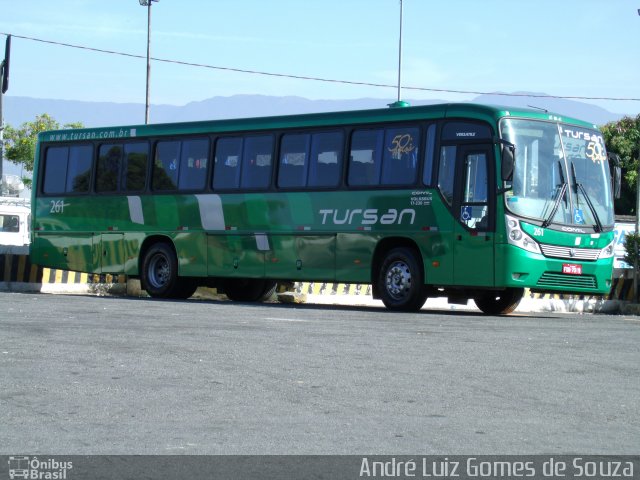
<point x="262" y="242"/>
<point x="135" y="210"/>
<point x="211" y="213"/>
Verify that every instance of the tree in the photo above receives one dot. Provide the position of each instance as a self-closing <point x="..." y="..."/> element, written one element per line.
<point x="20" y="144"/>
<point x="623" y="137"/>
<point x="631" y="246"/>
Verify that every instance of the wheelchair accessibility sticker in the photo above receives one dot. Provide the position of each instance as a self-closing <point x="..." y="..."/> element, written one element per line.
<point x="465" y="213"/>
<point x="578" y="217"/>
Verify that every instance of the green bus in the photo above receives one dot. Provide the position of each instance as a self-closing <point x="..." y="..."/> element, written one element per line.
<point x="462" y="201"/>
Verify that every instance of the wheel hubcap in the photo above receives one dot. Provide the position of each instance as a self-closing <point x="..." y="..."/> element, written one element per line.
<point x="398" y="280"/>
<point x="159" y="271"/>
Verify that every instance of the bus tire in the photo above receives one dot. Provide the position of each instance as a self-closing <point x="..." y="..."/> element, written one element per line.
<point x="159" y="275"/>
<point x="400" y="281"/>
<point x="500" y="302"/>
<point x="249" y="290"/>
<point x="186" y="288"/>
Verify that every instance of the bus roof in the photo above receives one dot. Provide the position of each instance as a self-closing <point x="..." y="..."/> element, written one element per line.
<point x="491" y="113"/>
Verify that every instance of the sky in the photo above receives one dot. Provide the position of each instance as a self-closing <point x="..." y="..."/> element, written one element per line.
<point x="587" y="48"/>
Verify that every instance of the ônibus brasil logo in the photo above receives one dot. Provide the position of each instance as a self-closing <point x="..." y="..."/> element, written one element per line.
<point x="33" y="468"/>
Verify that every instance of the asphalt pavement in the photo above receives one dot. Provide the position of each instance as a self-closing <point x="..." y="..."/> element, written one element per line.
<point x="101" y="375"/>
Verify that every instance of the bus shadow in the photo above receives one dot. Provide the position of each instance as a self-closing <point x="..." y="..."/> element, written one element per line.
<point x="377" y="310"/>
<point x="336" y="308"/>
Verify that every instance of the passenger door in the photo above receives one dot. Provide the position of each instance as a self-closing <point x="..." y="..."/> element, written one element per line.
<point x="474" y="212"/>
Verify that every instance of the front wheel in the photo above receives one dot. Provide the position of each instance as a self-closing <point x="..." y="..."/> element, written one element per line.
<point x="400" y="281"/>
<point x="500" y="302"/>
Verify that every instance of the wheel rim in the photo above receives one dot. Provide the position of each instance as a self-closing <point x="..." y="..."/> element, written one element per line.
<point x="398" y="280"/>
<point x="159" y="271"/>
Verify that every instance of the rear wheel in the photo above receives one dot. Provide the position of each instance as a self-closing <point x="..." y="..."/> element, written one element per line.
<point x="400" y="281"/>
<point x="500" y="302"/>
<point x="249" y="290"/>
<point x="187" y="287"/>
<point x="159" y="275"/>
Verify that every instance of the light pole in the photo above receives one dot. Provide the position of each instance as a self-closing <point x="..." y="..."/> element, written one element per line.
<point x="147" y="3"/>
<point x="399" y="102"/>
<point x="4" y="86"/>
<point x="400" y="57"/>
<point x="636" y="279"/>
<point x="638" y="190"/>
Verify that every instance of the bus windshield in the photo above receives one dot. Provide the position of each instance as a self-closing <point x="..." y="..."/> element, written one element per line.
<point x="561" y="174"/>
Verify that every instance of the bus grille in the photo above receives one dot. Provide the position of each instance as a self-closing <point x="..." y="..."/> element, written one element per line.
<point x="559" y="280"/>
<point x="570" y="253"/>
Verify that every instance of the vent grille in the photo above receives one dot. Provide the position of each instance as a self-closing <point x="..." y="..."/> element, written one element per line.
<point x="559" y="280"/>
<point x="570" y="253"/>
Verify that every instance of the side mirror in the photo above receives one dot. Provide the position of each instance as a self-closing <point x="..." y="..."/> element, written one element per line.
<point x="616" y="174"/>
<point x="508" y="160"/>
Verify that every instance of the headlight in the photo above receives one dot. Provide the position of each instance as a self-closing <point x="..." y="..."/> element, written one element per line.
<point x="608" y="251"/>
<point x="518" y="238"/>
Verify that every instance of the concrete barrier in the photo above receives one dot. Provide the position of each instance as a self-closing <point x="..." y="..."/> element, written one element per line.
<point x="360" y="294"/>
<point x="19" y="274"/>
<point x="18" y="269"/>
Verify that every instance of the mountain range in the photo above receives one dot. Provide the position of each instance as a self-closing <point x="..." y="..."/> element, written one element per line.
<point x="18" y="110"/>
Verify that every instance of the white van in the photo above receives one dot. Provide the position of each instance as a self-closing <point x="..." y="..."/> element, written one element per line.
<point x="15" y="215"/>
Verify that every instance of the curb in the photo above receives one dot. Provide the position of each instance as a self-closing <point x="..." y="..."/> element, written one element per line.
<point x="19" y="275"/>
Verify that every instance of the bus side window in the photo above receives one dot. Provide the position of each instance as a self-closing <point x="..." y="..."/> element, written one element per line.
<point x="55" y="170"/>
<point x="79" y="169"/>
<point x="400" y="160"/>
<point x="365" y="157"/>
<point x="108" y="171"/>
<point x="134" y="171"/>
<point x="427" y="175"/>
<point x="294" y="164"/>
<point x="193" y="164"/>
<point x="325" y="166"/>
<point x="446" y="172"/>
<point x="226" y="175"/>
<point x="475" y="196"/>
<point x="165" y="166"/>
<point x="256" y="162"/>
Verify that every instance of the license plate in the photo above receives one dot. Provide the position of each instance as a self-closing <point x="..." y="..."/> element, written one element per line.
<point x="571" y="269"/>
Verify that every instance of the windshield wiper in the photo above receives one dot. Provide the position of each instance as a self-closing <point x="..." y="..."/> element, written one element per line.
<point x="558" y="199"/>
<point x="579" y="187"/>
<point x="556" y="204"/>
